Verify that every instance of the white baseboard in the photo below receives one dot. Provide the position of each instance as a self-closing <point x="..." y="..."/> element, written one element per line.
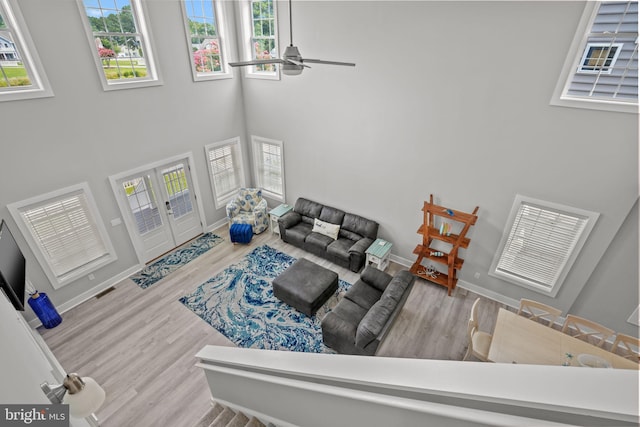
<point x="90" y="293"/>
<point x="217" y="224"/>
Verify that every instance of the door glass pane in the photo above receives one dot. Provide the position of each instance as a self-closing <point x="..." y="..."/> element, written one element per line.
<point x="177" y="190"/>
<point x="142" y="202"/>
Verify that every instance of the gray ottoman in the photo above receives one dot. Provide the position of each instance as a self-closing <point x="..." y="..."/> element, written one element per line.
<point x="305" y="285"/>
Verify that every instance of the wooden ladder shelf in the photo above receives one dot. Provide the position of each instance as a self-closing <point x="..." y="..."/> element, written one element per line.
<point x="435" y="230"/>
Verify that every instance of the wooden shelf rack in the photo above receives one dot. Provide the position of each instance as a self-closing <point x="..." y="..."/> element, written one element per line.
<point x="453" y="241"/>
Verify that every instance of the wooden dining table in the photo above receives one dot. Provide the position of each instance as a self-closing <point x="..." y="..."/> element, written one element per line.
<point x="517" y="339"/>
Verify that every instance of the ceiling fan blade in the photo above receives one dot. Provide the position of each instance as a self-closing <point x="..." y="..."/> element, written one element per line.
<point x="256" y="62"/>
<point x="295" y="62"/>
<point x="320" y="61"/>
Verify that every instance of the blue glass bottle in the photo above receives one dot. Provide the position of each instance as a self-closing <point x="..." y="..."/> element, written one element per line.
<point x="44" y="309"/>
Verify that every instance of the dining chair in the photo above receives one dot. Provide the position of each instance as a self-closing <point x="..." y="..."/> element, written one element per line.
<point x="539" y="312"/>
<point x="627" y="347"/>
<point x="586" y="330"/>
<point x="479" y="342"/>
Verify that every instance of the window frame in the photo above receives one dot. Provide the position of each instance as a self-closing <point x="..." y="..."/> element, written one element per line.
<point x="40" y="86"/>
<point x="93" y="214"/>
<point x="256" y="148"/>
<point x="220" y="24"/>
<point x="153" y="77"/>
<point x="605" y="69"/>
<point x="571" y="255"/>
<point x="221" y="200"/>
<point x="246" y="44"/>
<point x="572" y="65"/>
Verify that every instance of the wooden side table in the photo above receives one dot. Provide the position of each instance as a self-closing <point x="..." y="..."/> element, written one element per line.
<point x="378" y="254"/>
<point x="276" y="213"/>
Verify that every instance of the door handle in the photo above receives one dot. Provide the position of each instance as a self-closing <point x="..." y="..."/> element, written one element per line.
<point x="168" y="205"/>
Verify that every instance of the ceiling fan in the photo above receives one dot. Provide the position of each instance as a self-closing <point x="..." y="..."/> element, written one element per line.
<point x="292" y="62"/>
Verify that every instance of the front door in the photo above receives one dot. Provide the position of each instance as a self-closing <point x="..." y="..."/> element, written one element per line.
<point x="161" y="208"/>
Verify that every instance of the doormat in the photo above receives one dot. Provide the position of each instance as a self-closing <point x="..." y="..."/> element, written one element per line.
<point x="240" y="304"/>
<point x="169" y="263"/>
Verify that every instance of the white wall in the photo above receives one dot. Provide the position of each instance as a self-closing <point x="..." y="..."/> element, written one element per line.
<point x="86" y="134"/>
<point x="451" y="98"/>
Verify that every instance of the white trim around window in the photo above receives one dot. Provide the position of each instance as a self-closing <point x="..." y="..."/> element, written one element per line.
<point x="211" y="16"/>
<point x="608" y="27"/>
<point x="226" y="169"/>
<point x="247" y="46"/>
<point x="540" y="242"/>
<point x="135" y="65"/>
<point x="26" y="55"/>
<point x="65" y="232"/>
<point x="268" y="166"/>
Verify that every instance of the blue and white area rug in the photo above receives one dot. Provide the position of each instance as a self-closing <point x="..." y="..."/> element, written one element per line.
<point x="239" y="302"/>
<point x="174" y="260"/>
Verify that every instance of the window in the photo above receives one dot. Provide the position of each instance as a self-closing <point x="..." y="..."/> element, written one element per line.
<point x="268" y="166"/>
<point x="602" y="70"/>
<point x="225" y="169"/>
<point x="205" y="37"/>
<point x="65" y="232"/>
<point x="21" y="73"/>
<point x="260" y="35"/>
<point x="120" y="41"/>
<point x="540" y="243"/>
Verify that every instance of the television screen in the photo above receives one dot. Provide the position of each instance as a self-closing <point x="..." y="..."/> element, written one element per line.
<point x="12" y="268"/>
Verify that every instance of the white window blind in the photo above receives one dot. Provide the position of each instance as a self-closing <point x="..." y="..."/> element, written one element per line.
<point x="269" y="166"/>
<point x="540" y="243"/>
<point x="64" y="233"/>
<point x="225" y="169"/>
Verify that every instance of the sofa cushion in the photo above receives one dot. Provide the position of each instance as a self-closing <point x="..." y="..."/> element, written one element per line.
<point x="298" y="233"/>
<point x="326" y="228"/>
<point x="248" y="198"/>
<point x="340" y="248"/>
<point x="332" y="215"/>
<point x="363" y="294"/>
<point x="359" y="225"/>
<point x="318" y="240"/>
<point x="372" y="323"/>
<point x="308" y="210"/>
<point x="349" y="311"/>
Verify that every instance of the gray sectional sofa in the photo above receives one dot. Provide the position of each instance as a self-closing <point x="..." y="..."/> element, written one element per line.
<point x="354" y="233"/>
<point x="360" y="321"/>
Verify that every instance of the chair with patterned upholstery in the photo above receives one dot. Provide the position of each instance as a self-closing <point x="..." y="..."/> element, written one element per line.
<point x="249" y="208"/>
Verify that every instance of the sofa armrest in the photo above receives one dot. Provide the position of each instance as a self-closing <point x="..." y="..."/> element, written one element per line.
<point x="289" y="219"/>
<point x="375" y="278"/>
<point x="261" y="207"/>
<point x="361" y="245"/>
<point x="233" y="207"/>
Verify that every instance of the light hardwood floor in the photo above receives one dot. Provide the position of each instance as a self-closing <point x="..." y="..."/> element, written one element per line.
<point x="139" y="344"/>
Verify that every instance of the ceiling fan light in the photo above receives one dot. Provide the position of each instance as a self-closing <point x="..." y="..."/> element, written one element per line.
<point x="291" y="69"/>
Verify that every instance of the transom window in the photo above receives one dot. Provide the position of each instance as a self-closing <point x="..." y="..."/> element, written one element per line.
<point x="120" y="41"/>
<point x="205" y="37"/>
<point x="225" y="169"/>
<point x="601" y="71"/>
<point x="260" y="28"/>
<point x="268" y="165"/>
<point x="65" y="233"/>
<point x="21" y="73"/>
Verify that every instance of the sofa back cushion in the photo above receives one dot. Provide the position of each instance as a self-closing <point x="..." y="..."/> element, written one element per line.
<point x="355" y="227"/>
<point x="308" y="210"/>
<point x="372" y="323"/>
<point x="248" y="198"/>
<point x="331" y="215"/>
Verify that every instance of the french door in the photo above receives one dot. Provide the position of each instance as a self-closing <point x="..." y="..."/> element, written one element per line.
<point x="159" y="206"/>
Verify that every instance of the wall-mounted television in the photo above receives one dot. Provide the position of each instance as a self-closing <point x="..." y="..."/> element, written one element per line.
<point x="12" y="268"/>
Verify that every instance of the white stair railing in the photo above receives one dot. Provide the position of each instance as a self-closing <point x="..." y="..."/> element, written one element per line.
<point x="302" y="389"/>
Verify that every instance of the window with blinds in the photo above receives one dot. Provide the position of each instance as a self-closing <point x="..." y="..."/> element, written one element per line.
<point x="602" y="72"/>
<point x="64" y="232"/>
<point x="540" y="243"/>
<point x="226" y="169"/>
<point x="268" y="165"/>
